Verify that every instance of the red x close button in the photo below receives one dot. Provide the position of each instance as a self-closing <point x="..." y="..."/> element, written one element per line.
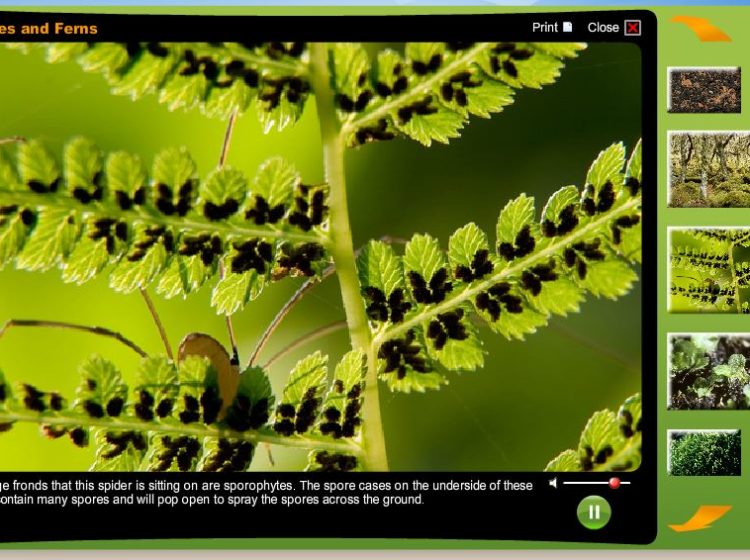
<point x="632" y="27"/>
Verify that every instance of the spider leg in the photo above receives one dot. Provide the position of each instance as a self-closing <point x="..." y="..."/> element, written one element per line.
<point x="73" y="326"/>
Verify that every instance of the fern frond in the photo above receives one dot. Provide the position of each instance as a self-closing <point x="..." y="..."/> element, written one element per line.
<point x="428" y="93"/>
<point x="706" y="261"/>
<point x="709" y="269"/>
<point x="538" y="268"/>
<point x="609" y="442"/>
<point x="724" y="236"/>
<point x="168" y="420"/>
<point x="718" y="296"/>
<point x="172" y="229"/>
<point x="219" y="78"/>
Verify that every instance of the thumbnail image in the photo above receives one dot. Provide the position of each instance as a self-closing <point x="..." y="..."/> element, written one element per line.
<point x="704" y="453"/>
<point x="709" y="270"/>
<point x="709" y="169"/>
<point x="704" y="90"/>
<point x="201" y="283"/>
<point x="709" y="371"/>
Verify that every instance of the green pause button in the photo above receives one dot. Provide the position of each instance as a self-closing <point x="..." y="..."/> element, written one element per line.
<point x="594" y="512"/>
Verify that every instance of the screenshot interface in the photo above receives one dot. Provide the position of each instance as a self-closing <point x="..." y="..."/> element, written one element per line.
<point x="468" y="277"/>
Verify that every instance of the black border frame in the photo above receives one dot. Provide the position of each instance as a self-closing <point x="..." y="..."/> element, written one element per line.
<point x="456" y="517"/>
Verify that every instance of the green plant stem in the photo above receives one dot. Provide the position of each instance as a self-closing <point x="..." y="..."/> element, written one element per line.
<point x="150" y="216"/>
<point x="265" y="435"/>
<point x="341" y="248"/>
<point x="298" y="295"/>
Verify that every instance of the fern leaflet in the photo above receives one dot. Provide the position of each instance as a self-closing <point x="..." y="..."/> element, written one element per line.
<point x="98" y="213"/>
<point x="419" y="305"/>
<point x="429" y="92"/>
<point x="220" y="78"/>
<point x="169" y="419"/>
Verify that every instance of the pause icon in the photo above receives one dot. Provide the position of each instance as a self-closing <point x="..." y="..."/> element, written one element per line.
<point x="594" y="512"/>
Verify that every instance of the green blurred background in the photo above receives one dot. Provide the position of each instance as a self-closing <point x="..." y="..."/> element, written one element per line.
<point x="531" y="400"/>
